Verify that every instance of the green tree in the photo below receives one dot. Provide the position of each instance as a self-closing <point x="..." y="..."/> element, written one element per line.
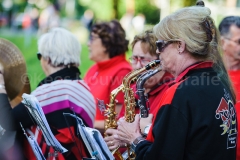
<point x="187" y="3"/>
<point x="115" y="9"/>
<point x="151" y="12"/>
<point x="103" y="9"/>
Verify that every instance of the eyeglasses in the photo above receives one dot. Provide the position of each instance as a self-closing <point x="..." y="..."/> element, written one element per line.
<point x="39" y="56"/>
<point x="235" y="41"/>
<point x="92" y="38"/>
<point x="142" y="60"/>
<point x="161" y="44"/>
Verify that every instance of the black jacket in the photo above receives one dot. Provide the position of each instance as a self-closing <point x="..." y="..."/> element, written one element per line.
<point x="196" y="120"/>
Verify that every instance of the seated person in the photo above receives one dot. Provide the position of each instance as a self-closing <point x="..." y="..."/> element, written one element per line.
<point x="144" y="51"/>
<point x="62" y="91"/>
<point x="107" y="47"/>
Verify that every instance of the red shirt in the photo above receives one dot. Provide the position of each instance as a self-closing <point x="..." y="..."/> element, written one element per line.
<point x="154" y="95"/>
<point x="103" y="77"/>
<point x="235" y="78"/>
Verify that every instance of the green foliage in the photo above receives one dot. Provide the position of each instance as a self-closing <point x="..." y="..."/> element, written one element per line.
<point x="34" y="69"/>
<point x="80" y="10"/>
<point x="102" y="9"/>
<point x="121" y="7"/>
<point x="187" y="3"/>
<point x="151" y="12"/>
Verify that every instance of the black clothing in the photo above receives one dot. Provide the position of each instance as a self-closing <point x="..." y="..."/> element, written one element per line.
<point x="9" y="146"/>
<point x="196" y="120"/>
<point x="20" y="112"/>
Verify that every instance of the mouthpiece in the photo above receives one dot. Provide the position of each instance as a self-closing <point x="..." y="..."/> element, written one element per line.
<point x="157" y="61"/>
<point x="152" y="64"/>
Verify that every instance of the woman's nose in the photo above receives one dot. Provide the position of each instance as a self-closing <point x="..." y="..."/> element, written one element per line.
<point x="138" y="65"/>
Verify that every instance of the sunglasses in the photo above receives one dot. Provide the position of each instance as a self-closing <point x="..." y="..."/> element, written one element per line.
<point x="161" y="44"/>
<point x="92" y="38"/>
<point x="39" y="56"/>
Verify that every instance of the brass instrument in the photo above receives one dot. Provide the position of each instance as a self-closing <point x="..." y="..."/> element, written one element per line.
<point x="111" y="118"/>
<point x="26" y="89"/>
<point x="129" y="101"/>
<point x="143" y="101"/>
<point x="13" y="67"/>
<point x="110" y="114"/>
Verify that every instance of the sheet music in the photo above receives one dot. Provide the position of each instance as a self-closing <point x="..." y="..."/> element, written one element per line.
<point x="34" y="145"/>
<point x="100" y="144"/>
<point x="36" y="111"/>
<point x="93" y="140"/>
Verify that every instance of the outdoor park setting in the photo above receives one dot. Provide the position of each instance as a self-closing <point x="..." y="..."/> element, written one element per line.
<point x="22" y="21"/>
<point x="119" y="79"/>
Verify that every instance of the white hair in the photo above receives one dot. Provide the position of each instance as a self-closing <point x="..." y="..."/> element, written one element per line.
<point x="60" y="46"/>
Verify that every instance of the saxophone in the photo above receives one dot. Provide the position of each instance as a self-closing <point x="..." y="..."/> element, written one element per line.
<point x="129" y="101"/>
<point x="110" y="115"/>
<point x="142" y="101"/>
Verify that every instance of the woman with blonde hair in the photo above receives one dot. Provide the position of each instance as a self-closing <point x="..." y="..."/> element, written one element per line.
<point x="196" y="117"/>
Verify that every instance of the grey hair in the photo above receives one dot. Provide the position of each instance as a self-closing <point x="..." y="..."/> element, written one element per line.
<point x="195" y="26"/>
<point x="60" y="46"/>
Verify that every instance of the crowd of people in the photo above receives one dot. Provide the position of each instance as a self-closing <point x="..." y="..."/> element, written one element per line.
<point x="193" y="98"/>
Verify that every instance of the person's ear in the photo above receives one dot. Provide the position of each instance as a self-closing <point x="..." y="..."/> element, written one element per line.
<point x="223" y="42"/>
<point x="181" y="46"/>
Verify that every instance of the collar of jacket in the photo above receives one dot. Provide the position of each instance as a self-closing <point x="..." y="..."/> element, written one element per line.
<point x="198" y="65"/>
<point x="111" y="62"/>
<point x="69" y="73"/>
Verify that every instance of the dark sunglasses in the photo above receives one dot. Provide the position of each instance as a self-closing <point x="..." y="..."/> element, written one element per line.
<point x="39" y="56"/>
<point x="161" y="44"/>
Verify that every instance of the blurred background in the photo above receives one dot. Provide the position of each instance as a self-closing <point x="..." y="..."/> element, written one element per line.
<point x="23" y="21"/>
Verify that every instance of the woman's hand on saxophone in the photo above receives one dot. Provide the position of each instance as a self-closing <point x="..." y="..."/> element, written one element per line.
<point x="145" y="122"/>
<point x="128" y="132"/>
<point x="111" y="141"/>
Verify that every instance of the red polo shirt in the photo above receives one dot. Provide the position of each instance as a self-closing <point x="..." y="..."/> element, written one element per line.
<point x="154" y="95"/>
<point x="103" y="77"/>
<point x="235" y="78"/>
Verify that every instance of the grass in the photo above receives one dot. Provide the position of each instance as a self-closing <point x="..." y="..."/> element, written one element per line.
<point x="29" y="50"/>
<point x="28" y="47"/>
